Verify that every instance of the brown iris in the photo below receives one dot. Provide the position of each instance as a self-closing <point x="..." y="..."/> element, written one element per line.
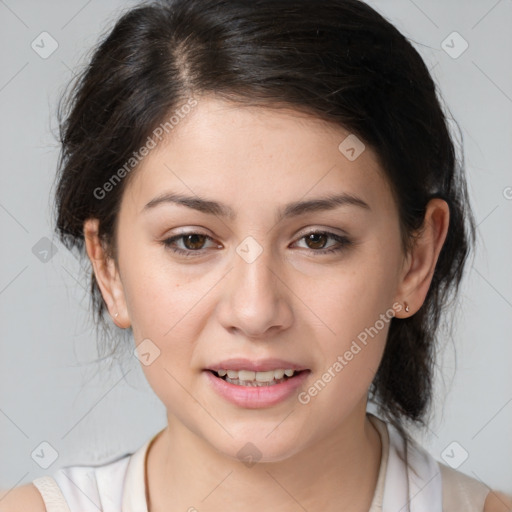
<point x="311" y="238"/>
<point x="191" y="241"/>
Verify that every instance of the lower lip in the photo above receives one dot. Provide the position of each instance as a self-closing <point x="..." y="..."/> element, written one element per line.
<point x="252" y="397"/>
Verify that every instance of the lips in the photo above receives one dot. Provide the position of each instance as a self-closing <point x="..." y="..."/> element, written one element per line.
<point x="263" y="365"/>
<point x="254" y="394"/>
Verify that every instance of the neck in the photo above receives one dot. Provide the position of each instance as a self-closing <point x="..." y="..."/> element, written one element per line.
<point x="185" y="473"/>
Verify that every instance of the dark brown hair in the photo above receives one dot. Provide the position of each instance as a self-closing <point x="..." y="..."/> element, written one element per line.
<point x="338" y="60"/>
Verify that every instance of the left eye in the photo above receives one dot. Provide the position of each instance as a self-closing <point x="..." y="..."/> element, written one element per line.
<point x="319" y="238"/>
<point x="194" y="242"/>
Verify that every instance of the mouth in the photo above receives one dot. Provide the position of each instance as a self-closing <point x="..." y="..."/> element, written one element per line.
<point x="253" y="384"/>
<point x="249" y="378"/>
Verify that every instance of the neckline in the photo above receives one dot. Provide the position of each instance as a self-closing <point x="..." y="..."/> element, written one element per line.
<point x="382" y="429"/>
<point x="135" y="486"/>
<point x="145" y="470"/>
<point x="135" y="493"/>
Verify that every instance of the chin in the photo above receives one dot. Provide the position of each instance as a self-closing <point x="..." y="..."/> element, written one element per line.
<point x="251" y="449"/>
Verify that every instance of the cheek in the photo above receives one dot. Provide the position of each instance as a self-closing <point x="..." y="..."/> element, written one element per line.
<point x="156" y="293"/>
<point x="352" y="297"/>
<point x="167" y="305"/>
<point x="355" y="309"/>
<point x="165" y="312"/>
<point x="359" y="317"/>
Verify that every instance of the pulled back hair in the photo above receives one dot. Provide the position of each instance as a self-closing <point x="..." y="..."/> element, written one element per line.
<point x="337" y="60"/>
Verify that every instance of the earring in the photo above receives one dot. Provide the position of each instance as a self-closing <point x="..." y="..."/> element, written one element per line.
<point x="116" y="315"/>
<point x="406" y="307"/>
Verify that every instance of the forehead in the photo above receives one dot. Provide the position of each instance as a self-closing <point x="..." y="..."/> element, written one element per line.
<point x="258" y="156"/>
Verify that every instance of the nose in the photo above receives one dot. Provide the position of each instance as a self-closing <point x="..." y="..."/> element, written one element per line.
<point x="256" y="299"/>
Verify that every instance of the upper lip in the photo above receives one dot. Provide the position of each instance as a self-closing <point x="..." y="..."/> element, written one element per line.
<point x="262" y="365"/>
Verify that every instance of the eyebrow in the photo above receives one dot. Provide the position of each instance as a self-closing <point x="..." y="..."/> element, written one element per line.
<point x="293" y="209"/>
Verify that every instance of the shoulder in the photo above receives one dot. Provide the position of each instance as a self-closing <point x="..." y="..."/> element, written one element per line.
<point x="24" y="497"/>
<point x="460" y="488"/>
<point x="60" y="487"/>
<point x="498" y="502"/>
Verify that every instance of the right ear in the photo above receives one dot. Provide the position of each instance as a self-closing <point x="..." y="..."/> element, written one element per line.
<point x="107" y="275"/>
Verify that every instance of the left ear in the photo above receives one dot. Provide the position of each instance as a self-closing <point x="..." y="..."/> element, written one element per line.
<point x="421" y="262"/>
<point x="107" y="275"/>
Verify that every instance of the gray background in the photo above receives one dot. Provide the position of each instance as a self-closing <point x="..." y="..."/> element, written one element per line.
<point x="49" y="389"/>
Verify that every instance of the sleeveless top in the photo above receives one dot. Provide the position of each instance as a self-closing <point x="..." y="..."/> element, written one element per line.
<point x="120" y="485"/>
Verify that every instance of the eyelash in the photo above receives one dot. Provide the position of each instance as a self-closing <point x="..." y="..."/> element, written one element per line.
<point x="342" y="240"/>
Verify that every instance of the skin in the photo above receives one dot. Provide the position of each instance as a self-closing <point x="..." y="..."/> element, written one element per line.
<point x="290" y="303"/>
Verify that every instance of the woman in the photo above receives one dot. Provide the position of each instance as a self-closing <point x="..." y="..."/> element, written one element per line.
<point x="271" y="204"/>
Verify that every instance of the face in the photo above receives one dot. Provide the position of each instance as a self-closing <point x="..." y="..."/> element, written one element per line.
<point x="242" y="277"/>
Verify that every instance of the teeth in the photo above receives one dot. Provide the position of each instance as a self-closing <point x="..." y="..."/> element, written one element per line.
<point x="248" y="376"/>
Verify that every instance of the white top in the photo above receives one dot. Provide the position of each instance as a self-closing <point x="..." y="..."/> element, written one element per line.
<point x="120" y="485"/>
